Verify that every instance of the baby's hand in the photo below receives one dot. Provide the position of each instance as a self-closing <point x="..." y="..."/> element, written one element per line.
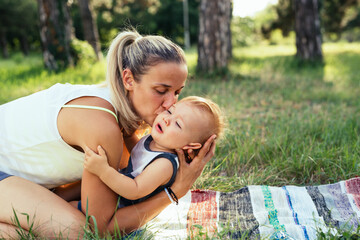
<point x="95" y="163"/>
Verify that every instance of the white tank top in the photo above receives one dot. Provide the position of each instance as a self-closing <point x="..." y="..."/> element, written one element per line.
<point x="30" y="144"/>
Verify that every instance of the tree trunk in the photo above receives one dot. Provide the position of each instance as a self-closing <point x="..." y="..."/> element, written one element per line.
<point x="55" y="33"/>
<point x="186" y="24"/>
<point x="3" y="45"/>
<point x="229" y="47"/>
<point x="214" y="46"/>
<point x="90" y="28"/>
<point x="24" y="44"/>
<point x="307" y="28"/>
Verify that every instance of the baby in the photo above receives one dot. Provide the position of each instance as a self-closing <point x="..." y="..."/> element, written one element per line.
<point x="153" y="162"/>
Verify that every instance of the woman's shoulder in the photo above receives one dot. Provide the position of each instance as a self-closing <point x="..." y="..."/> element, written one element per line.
<point x="79" y="125"/>
<point x="101" y="121"/>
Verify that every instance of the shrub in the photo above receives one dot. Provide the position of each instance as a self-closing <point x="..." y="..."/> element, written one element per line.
<point x="82" y="52"/>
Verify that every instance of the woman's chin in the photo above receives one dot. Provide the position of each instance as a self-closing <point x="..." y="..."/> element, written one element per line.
<point x="149" y="121"/>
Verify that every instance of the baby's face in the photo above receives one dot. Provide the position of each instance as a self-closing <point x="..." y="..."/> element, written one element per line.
<point x="179" y="126"/>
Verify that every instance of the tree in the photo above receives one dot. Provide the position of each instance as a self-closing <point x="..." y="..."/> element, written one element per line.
<point x="332" y="15"/>
<point x="3" y="44"/>
<point x="17" y="32"/>
<point x="169" y="20"/>
<point x="285" y="19"/>
<point x="307" y="28"/>
<point x="186" y="24"/>
<point x="89" y="26"/>
<point x="6" y="11"/>
<point x="55" y="33"/>
<point x="214" y="45"/>
<point x="164" y="17"/>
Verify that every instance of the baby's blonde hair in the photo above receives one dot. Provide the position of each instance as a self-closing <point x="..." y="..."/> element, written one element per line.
<point x="130" y="50"/>
<point x="217" y="119"/>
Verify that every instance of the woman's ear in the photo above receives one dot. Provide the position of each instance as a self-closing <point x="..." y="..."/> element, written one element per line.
<point x="128" y="79"/>
<point x="192" y="146"/>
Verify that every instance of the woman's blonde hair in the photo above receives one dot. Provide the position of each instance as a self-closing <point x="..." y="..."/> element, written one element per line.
<point x="217" y="118"/>
<point x="130" y="50"/>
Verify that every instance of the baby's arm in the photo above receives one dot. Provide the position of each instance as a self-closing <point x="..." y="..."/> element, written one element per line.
<point x="156" y="174"/>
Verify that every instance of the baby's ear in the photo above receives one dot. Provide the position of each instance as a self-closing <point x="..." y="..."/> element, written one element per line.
<point x="192" y="146"/>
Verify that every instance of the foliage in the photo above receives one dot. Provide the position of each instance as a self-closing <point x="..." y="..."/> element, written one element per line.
<point x="284" y="21"/>
<point x="82" y="52"/>
<point x="163" y="17"/>
<point x="19" y="22"/>
<point x="243" y="31"/>
<point x="351" y="35"/>
<point x="169" y="20"/>
<point x="265" y="16"/>
<point x="77" y="21"/>
<point x="352" y="17"/>
<point x="352" y="24"/>
<point x="333" y="14"/>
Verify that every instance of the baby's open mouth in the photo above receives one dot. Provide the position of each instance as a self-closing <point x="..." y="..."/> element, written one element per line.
<point x="159" y="127"/>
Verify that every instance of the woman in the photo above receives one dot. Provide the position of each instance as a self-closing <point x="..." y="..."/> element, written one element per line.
<point x="42" y="138"/>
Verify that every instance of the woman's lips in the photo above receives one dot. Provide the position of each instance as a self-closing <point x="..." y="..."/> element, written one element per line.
<point x="158" y="128"/>
<point x="159" y="110"/>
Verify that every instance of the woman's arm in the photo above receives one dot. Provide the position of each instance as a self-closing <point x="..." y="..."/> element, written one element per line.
<point x="97" y="198"/>
<point x="129" y="218"/>
<point x="83" y="127"/>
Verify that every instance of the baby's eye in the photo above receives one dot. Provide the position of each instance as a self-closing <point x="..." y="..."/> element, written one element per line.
<point x="178" y="125"/>
<point x="169" y="111"/>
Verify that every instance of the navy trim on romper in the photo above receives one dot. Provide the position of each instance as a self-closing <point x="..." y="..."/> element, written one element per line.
<point x="128" y="170"/>
<point x="4" y="175"/>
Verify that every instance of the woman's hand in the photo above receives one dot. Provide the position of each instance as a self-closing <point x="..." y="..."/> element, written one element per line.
<point x="189" y="171"/>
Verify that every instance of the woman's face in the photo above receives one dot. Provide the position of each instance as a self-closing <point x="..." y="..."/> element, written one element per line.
<point x="157" y="90"/>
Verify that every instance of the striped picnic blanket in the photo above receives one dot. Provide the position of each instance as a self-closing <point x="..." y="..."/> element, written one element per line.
<point x="262" y="212"/>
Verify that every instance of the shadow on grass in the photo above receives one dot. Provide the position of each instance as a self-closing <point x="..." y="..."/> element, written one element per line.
<point x="221" y="75"/>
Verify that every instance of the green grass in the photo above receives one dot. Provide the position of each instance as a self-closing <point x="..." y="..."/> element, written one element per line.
<point x="289" y="122"/>
<point x="21" y="76"/>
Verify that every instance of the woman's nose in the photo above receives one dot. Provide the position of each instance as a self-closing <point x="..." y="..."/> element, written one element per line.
<point x="169" y="100"/>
